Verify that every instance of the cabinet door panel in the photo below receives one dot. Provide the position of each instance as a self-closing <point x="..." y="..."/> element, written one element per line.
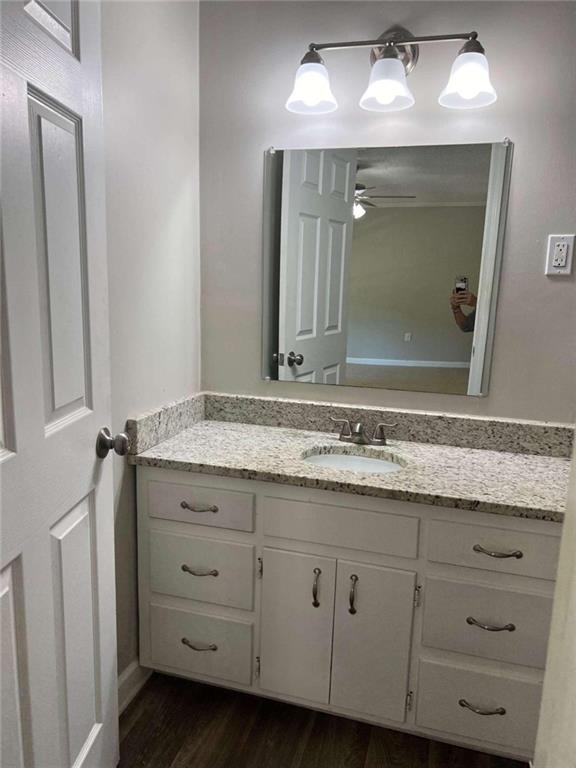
<point x="372" y="645"/>
<point x="296" y="635"/>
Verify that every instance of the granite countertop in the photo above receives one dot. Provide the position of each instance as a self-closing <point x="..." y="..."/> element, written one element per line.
<point x="518" y="485"/>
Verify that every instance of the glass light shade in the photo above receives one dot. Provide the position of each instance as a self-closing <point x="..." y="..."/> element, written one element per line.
<point x="358" y="211"/>
<point x="469" y="85"/>
<point x="311" y="94"/>
<point x="387" y="89"/>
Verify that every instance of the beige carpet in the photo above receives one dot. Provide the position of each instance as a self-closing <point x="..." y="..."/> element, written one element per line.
<point x="452" y="381"/>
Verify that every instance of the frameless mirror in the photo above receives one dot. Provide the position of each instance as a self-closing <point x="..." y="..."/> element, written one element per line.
<point x="381" y="265"/>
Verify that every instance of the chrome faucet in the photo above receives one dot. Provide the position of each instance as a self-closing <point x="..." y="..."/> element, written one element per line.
<point x="353" y="432"/>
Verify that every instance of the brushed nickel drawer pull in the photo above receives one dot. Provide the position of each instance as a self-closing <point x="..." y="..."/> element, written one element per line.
<point x="490" y="627"/>
<point x="199" y="646"/>
<point x="315" y="601"/>
<point x="499" y="555"/>
<point x="480" y="711"/>
<point x="199" y="571"/>
<point x="211" y="508"/>
<point x="353" y="582"/>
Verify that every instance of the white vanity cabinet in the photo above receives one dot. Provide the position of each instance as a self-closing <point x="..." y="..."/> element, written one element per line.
<point x="415" y="617"/>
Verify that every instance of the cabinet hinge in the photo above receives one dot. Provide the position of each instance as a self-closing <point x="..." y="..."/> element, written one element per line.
<point x="257" y="670"/>
<point x="409" y="701"/>
<point x="260" y="570"/>
<point x="417" y="595"/>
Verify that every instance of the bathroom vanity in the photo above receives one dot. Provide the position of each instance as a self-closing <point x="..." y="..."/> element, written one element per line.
<point x="419" y="599"/>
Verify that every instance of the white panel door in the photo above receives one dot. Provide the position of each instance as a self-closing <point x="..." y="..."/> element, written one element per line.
<point x="296" y="630"/>
<point x="316" y="240"/>
<point x="372" y="631"/>
<point x="57" y="561"/>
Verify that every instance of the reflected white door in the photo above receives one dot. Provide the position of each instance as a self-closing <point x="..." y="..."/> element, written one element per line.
<point x="316" y="240"/>
<point x="59" y="703"/>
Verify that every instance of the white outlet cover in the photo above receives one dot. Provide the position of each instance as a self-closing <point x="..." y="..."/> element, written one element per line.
<point x="553" y="242"/>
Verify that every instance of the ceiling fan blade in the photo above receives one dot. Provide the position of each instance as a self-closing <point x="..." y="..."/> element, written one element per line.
<point x="368" y="204"/>
<point x="394" y="197"/>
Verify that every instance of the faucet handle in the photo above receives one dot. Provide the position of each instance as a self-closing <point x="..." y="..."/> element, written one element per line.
<point x="346" y="429"/>
<point x="379" y="436"/>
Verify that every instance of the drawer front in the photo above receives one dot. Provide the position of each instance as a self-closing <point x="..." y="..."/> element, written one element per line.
<point x="201" y="505"/>
<point x="525" y="554"/>
<point x="441" y="687"/>
<point x="202" y="569"/>
<point x="212" y="646"/>
<point x="341" y="526"/>
<point x="450" y="608"/>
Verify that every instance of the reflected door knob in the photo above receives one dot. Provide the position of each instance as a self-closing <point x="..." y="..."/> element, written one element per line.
<point x="106" y="442"/>
<point x="294" y="359"/>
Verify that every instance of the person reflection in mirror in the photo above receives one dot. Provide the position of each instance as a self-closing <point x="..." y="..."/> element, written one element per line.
<point x="459" y="299"/>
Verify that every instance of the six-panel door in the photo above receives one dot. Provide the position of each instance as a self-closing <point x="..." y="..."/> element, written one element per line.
<point x="372" y="631"/>
<point x="297" y="617"/>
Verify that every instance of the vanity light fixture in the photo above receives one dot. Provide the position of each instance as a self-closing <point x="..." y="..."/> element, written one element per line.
<point x="394" y="55"/>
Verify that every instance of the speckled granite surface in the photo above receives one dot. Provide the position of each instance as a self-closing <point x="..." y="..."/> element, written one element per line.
<point x="162" y="423"/>
<point x="485" y="481"/>
<point x="528" y="437"/>
<point x="533" y="437"/>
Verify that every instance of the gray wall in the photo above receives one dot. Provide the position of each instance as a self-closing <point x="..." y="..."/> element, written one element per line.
<point x="248" y="57"/>
<point x="402" y="270"/>
<point x="150" y="55"/>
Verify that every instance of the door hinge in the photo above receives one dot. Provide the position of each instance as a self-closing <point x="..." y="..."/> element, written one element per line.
<point x="409" y="701"/>
<point x="257" y="670"/>
<point x="260" y="570"/>
<point x="417" y="595"/>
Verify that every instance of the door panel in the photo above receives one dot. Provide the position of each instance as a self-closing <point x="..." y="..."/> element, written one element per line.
<point x="316" y="239"/>
<point x="372" y="646"/>
<point x="296" y="636"/>
<point x="57" y="505"/>
<point x="13" y="752"/>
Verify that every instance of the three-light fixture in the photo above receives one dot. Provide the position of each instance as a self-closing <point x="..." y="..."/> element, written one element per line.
<point x="394" y="55"/>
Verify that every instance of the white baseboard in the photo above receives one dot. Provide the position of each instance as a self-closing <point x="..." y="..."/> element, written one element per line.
<point x="130" y="682"/>
<point x="408" y="363"/>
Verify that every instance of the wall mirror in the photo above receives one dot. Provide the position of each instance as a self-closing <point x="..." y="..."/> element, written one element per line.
<point x="381" y="265"/>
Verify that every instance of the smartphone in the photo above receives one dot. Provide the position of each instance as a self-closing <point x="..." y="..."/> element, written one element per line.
<point x="461" y="285"/>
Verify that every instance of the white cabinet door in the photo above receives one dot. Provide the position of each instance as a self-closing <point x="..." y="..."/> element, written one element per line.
<point x="372" y="631"/>
<point x="316" y="242"/>
<point x="297" y="617"/>
<point x="58" y="632"/>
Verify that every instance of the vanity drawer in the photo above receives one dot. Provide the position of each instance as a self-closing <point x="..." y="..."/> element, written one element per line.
<point x="462" y="544"/>
<point x="202" y="505"/>
<point x="448" y="605"/>
<point x="341" y="526"/>
<point x="442" y="686"/>
<point x="227" y="644"/>
<point x="202" y="569"/>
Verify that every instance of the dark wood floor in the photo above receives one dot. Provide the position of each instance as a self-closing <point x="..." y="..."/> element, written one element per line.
<point x="176" y="723"/>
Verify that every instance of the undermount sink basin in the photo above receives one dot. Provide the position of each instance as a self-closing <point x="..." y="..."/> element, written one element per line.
<point x="354" y="460"/>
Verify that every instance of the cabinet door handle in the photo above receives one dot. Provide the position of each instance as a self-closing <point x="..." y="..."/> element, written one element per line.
<point x="490" y="627"/>
<point x="210" y="508"/>
<point x="199" y="571"/>
<point x="315" y="601"/>
<point x="352" y="597"/>
<point x="199" y="646"/>
<point x="480" y="711"/>
<point x="518" y="554"/>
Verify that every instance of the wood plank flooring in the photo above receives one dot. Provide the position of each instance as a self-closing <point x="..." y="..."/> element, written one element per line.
<point x="175" y="723"/>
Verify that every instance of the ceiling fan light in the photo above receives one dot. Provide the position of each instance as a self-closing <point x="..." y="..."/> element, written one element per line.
<point x="469" y="85"/>
<point x="311" y="94"/>
<point x="358" y="211"/>
<point x="387" y="89"/>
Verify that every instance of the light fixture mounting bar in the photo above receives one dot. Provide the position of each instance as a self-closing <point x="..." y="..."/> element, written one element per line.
<point x="380" y="43"/>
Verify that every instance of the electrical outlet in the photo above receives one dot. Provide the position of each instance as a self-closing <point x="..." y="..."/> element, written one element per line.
<point x="559" y="254"/>
<point x="408" y="337"/>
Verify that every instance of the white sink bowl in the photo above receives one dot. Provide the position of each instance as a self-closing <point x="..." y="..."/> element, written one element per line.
<point x="353" y="462"/>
